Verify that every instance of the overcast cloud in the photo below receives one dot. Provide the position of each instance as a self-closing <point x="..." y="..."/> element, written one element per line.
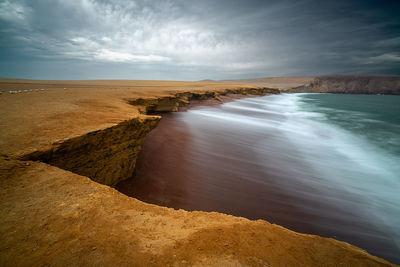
<point x="193" y="40"/>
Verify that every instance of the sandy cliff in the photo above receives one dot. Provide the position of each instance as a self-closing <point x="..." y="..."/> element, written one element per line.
<point x="53" y="214"/>
<point x="109" y="155"/>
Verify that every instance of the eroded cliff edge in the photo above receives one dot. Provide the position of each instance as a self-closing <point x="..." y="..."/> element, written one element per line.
<point x="109" y="156"/>
<point x="106" y="156"/>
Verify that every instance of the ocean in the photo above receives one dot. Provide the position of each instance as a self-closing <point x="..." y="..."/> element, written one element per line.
<point x="323" y="164"/>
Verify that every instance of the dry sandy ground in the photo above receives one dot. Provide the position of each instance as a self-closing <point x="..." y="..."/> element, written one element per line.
<point x="49" y="216"/>
<point x="282" y="83"/>
<point x="36" y="119"/>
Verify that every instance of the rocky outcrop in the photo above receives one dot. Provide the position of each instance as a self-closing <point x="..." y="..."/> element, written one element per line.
<point x="172" y="103"/>
<point x="352" y="84"/>
<point x="156" y="105"/>
<point x="106" y="156"/>
<point x="109" y="156"/>
<point x="360" y="84"/>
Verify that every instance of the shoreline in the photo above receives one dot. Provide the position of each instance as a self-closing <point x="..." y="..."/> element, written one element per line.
<point x="53" y="216"/>
<point x="183" y="166"/>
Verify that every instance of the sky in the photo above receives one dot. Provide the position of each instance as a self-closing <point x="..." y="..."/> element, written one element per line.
<point x="195" y="40"/>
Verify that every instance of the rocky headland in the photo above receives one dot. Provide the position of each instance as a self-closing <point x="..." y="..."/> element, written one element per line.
<point x="352" y="84"/>
<point x="339" y="84"/>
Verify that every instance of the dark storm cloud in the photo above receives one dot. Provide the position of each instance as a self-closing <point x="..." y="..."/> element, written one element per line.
<point x="55" y="39"/>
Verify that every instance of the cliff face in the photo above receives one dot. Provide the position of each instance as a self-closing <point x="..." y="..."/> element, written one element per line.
<point x="109" y="156"/>
<point x="172" y="103"/>
<point x="106" y="156"/>
<point x="352" y="84"/>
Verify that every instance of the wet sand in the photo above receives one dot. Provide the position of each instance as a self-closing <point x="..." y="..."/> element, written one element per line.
<point x="177" y="168"/>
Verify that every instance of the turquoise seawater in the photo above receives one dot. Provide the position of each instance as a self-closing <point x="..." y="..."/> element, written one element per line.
<point x="373" y="118"/>
<point x="322" y="164"/>
<point x="362" y="150"/>
<point x="337" y="154"/>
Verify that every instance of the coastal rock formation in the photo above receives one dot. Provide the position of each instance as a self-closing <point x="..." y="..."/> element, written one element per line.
<point x="106" y="156"/>
<point x="357" y="84"/>
<point x="109" y="156"/>
<point x="156" y="105"/>
<point x="351" y="84"/>
<point x="340" y="84"/>
<point x="172" y="103"/>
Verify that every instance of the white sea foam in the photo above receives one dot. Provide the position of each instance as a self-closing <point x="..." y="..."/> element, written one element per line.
<point x="338" y="159"/>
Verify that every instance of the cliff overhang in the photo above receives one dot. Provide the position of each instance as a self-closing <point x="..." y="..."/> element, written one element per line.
<point x="109" y="156"/>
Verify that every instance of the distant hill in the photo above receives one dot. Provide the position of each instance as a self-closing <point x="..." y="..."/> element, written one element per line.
<point x="208" y="81"/>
